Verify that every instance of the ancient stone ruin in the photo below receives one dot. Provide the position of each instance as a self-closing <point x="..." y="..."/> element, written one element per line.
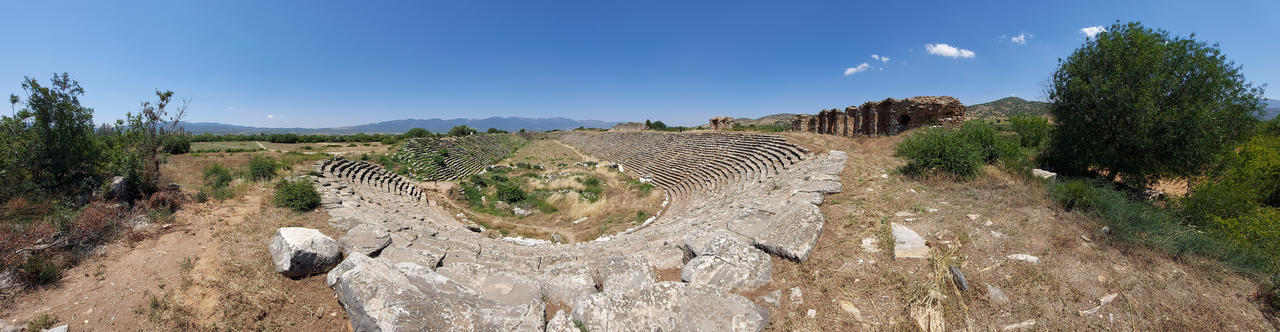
<point x="886" y="117"/>
<point x="733" y="200"/>
<point x="721" y="123"/>
<point x="450" y="158"/>
<point x="628" y="126"/>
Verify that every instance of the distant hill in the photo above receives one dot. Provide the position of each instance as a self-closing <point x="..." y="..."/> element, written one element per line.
<point x="782" y="118"/>
<point x="1272" y="109"/>
<point x="401" y="126"/>
<point x="1007" y="107"/>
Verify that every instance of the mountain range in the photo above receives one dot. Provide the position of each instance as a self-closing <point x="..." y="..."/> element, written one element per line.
<point x="401" y="126"/>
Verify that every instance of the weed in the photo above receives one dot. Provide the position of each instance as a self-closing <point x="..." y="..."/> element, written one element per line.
<point x="43" y="322"/>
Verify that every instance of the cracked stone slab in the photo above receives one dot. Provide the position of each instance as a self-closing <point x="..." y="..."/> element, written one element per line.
<point x="501" y="286"/>
<point x="427" y="257"/>
<point x="367" y="239"/>
<point x="790" y="233"/>
<point x="670" y="306"/>
<point x="567" y="282"/>
<point x="825" y="187"/>
<point x="726" y="263"/>
<point x="622" y="273"/>
<point x="379" y="296"/>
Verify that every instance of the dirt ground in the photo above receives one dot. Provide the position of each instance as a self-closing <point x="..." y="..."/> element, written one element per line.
<point x="208" y="270"/>
<point x="849" y="287"/>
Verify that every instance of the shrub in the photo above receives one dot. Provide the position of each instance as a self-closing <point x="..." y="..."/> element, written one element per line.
<point x="510" y="192"/>
<point x="176" y="144"/>
<point x="165" y="200"/>
<point x="262" y="168"/>
<point x="1074" y="194"/>
<point x="95" y="222"/>
<point x="296" y="194"/>
<point x="217" y="176"/>
<point x="1249" y="178"/>
<point x="1143" y="105"/>
<point x="1032" y="130"/>
<point x="40" y="269"/>
<point x="994" y="146"/>
<point x="940" y="149"/>
<point x="201" y="196"/>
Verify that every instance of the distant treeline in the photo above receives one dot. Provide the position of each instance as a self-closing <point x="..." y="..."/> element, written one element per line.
<point x="294" y="138"/>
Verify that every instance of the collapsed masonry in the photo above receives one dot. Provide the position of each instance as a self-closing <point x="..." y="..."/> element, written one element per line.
<point x="886" y="117"/>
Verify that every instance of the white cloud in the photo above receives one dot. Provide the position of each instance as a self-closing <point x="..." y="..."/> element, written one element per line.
<point x="1020" y="39"/>
<point x="1092" y="31"/>
<point x="854" y="70"/>
<point x="271" y="116"/>
<point x="881" y="58"/>
<point x="948" y="51"/>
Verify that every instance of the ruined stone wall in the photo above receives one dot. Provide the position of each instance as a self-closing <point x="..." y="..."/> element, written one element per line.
<point x="628" y="126"/>
<point x="721" y="123"/>
<point x="885" y="117"/>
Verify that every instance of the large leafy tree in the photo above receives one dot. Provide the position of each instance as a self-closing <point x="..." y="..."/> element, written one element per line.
<point x="1137" y="104"/>
<point x="49" y="143"/>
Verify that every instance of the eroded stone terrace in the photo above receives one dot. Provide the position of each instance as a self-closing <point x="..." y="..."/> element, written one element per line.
<point x="410" y="265"/>
<point x="466" y="155"/>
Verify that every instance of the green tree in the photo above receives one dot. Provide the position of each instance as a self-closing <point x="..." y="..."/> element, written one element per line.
<point x="461" y="131"/>
<point x="1138" y="104"/>
<point x="417" y="132"/>
<point x="648" y="124"/>
<point x="658" y="125"/>
<point x="54" y="136"/>
<point x="496" y="131"/>
<point x="141" y="141"/>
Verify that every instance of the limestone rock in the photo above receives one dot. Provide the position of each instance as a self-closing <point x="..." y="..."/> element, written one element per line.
<point x="500" y="285"/>
<point x="726" y="263"/>
<point x="118" y="189"/>
<point x="670" y="306"/>
<point x="825" y="187"/>
<point x="366" y="238"/>
<point x="1043" y="174"/>
<point x="622" y="273"/>
<point x="428" y="257"/>
<point x="298" y="252"/>
<point x="797" y="296"/>
<point x="381" y="297"/>
<point x="567" y="282"/>
<point x="561" y="323"/>
<point x="344" y="222"/>
<point x="908" y="244"/>
<point x="790" y="232"/>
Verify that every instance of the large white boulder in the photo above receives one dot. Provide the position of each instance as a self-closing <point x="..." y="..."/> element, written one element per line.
<point x="299" y="252"/>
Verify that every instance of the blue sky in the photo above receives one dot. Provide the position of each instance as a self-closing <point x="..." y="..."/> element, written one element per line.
<point x="322" y="64"/>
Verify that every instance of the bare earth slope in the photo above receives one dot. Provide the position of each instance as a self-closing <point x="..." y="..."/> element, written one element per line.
<point x="1154" y="291"/>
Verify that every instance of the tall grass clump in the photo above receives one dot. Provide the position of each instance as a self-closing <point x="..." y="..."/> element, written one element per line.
<point x="296" y="194"/>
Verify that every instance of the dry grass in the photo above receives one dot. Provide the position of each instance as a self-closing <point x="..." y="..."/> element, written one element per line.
<point x="1157" y="292"/>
